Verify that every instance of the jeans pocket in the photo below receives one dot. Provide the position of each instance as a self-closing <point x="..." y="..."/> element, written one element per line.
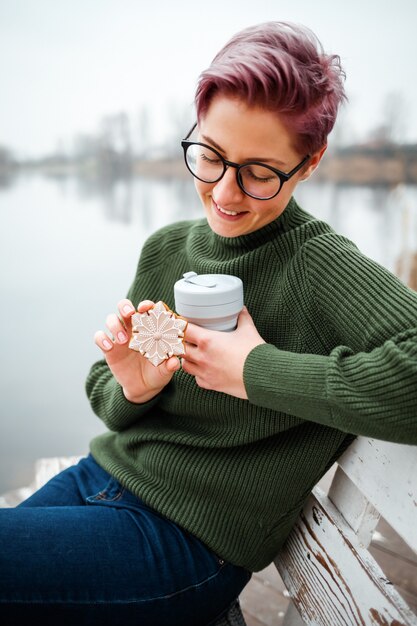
<point x="112" y="492"/>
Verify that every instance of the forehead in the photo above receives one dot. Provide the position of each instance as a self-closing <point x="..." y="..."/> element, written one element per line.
<point x="247" y="131"/>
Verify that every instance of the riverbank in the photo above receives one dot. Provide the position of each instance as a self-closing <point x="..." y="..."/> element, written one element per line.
<point x="369" y="165"/>
<point x="386" y="165"/>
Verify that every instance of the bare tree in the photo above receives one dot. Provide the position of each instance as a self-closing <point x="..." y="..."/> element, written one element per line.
<point x="393" y="126"/>
<point x="144" y="133"/>
<point x="181" y="117"/>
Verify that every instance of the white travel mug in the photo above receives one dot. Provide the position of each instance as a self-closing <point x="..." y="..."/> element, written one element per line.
<point x="213" y="301"/>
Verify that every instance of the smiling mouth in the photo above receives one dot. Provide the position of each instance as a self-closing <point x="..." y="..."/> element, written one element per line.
<point x="227" y="212"/>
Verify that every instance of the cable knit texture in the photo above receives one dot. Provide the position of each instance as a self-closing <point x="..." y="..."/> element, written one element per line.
<point x="340" y="360"/>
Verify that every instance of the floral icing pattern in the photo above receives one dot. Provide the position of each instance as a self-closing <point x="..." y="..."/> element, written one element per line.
<point x="158" y="334"/>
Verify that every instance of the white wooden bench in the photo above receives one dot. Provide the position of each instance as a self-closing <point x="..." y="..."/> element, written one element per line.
<point x="330" y="575"/>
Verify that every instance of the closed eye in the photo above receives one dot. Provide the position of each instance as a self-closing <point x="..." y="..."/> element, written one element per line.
<point x="204" y="157"/>
<point x="249" y="173"/>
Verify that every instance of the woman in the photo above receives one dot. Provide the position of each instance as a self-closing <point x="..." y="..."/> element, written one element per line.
<point x="208" y="459"/>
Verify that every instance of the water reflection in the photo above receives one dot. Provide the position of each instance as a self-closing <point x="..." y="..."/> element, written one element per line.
<point x="69" y="249"/>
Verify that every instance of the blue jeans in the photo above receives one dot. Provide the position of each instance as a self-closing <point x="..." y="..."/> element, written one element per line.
<point x="83" y="550"/>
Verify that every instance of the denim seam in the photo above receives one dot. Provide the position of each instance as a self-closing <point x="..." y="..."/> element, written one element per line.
<point x="102" y="495"/>
<point x="100" y="602"/>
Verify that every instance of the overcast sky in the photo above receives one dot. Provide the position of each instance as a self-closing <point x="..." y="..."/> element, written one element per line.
<point x="65" y="64"/>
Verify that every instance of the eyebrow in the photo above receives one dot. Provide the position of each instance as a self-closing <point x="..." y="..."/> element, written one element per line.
<point x="260" y="159"/>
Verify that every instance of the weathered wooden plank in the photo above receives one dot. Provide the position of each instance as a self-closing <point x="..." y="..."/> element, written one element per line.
<point x="359" y="513"/>
<point x="386" y="473"/>
<point x="386" y="538"/>
<point x="331" y="578"/>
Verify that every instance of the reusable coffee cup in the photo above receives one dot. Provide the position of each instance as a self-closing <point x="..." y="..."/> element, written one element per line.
<point x="213" y="301"/>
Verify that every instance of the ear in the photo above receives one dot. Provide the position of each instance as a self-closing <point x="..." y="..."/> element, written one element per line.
<point x="313" y="163"/>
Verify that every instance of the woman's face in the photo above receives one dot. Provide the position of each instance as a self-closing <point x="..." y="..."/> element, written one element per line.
<point x="241" y="133"/>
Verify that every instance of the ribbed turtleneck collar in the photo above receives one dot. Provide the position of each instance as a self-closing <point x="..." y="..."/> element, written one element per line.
<point x="292" y="216"/>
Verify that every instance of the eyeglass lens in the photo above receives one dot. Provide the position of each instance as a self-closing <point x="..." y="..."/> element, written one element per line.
<point x="257" y="180"/>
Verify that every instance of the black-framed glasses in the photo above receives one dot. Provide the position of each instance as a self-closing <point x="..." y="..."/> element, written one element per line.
<point x="255" y="179"/>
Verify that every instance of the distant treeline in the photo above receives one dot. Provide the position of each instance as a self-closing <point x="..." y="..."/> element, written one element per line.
<point x="386" y="164"/>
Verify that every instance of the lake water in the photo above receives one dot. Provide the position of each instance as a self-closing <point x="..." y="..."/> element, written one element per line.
<point x="69" y="252"/>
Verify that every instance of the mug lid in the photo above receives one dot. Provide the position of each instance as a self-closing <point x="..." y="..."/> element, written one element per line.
<point x="208" y="289"/>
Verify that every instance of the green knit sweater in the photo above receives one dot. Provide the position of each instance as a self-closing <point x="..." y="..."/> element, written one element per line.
<point x="340" y="360"/>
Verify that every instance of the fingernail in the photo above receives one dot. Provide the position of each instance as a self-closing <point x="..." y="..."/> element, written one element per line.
<point x="121" y="337"/>
<point x="128" y="308"/>
<point x="106" y="344"/>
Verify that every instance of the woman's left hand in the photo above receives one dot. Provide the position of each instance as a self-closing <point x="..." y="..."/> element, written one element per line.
<point x="216" y="359"/>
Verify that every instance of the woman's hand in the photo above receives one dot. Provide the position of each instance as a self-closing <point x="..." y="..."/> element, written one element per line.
<point x="139" y="379"/>
<point x="216" y="359"/>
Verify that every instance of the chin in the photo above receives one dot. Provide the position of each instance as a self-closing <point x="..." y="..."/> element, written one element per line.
<point x="227" y="231"/>
<point x="224" y="228"/>
<point x="221" y="229"/>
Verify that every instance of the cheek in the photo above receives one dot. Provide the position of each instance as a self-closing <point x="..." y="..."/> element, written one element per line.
<point x="202" y="188"/>
<point x="271" y="210"/>
<point x="273" y="207"/>
<point x="282" y="198"/>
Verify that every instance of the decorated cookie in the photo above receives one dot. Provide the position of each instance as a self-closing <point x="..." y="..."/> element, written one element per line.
<point x="158" y="334"/>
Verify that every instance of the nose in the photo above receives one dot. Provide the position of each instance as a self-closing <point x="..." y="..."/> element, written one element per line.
<point x="227" y="191"/>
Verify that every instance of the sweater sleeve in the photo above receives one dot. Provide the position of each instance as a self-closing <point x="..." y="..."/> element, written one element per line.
<point x="365" y="382"/>
<point x="368" y="393"/>
<point x="106" y="395"/>
<point x="104" y="392"/>
<point x="357" y="300"/>
<point x="108" y="401"/>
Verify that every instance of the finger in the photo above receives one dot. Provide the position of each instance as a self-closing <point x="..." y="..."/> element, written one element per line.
<point x="191" y="352"/>
<point x="166" y="369"/>
<point x="133" y="314"/>
<point x="126" y="309"/>
<point x="172" y="364"/>
<point x="116" y="328"/>
<point x="189" y="367"/>
<point x="193" y="333"/>
<point x="103" y="341"/>
<point x="145" y="305"/>
<point x="244" y="318"/>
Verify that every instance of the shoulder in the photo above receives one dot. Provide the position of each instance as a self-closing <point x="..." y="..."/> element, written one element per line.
<point x="334" y="264"/>
<point x="328" y="246"/>
<point x="348" y="286"/>
<point x="167" y="241"/>
<point x="311" y="242"/>
<point x="170" y="232"/>
<point x="301" y="230"/>
<point x="334" y="255"/>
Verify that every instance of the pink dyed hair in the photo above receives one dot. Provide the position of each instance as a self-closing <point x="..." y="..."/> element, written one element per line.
<point x="280" y="67"/>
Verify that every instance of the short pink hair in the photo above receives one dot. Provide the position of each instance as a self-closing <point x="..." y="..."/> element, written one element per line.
<point x="281" y="67"/>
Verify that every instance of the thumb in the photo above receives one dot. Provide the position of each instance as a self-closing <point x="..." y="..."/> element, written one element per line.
<point x="244" y="319"/>
<point x="169" y="367"/>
